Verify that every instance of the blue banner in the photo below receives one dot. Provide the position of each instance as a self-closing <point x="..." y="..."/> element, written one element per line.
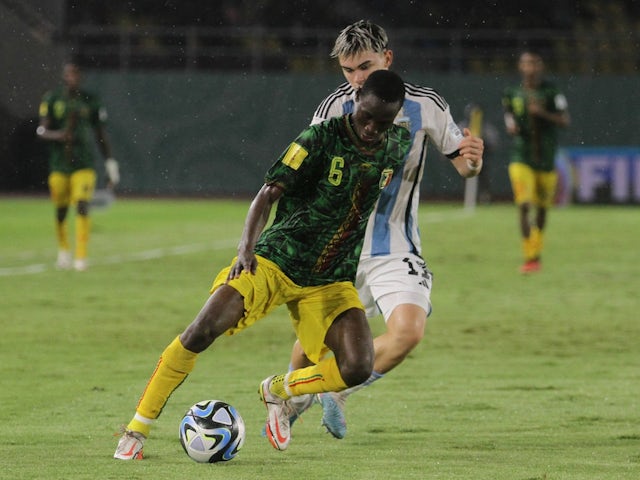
<point x="603" y="174"/>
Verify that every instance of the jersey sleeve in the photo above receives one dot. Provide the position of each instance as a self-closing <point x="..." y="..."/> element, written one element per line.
<point x="334" y="105"/>
<point x="441" y="128"/>
<point x="293" y="167"/>
<point x="506" y="101"/>
<point x="333" y="109"/>
<point x="44" y="108"/>
<point x="426" y="113"/>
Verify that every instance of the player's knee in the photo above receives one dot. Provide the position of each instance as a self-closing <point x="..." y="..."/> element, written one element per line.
<point x="61" y="214"/>
<point x="83" y="207"/>
<point x="409" y="339"/>
<point x="356" y="371"/>
<point x="222" y="311"/>
<point x="406" y="333"/>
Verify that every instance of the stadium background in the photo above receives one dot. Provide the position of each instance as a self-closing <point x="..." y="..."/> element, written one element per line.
<point x="203" y="98"/>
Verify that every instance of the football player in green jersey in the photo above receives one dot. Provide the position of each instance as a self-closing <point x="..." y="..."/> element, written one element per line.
<point x="534" y="110"/>
<point x="70" y="118"/>
<point x="326" y="184"/>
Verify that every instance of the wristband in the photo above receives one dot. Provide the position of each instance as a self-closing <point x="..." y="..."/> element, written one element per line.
<point x="472" y="167"/>
<point x="113" y="172"/>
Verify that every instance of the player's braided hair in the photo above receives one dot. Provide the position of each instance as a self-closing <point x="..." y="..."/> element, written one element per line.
<point x="360" y="37"/>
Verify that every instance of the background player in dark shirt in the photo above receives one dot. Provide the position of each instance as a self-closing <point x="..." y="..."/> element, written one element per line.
<point x="534" y="111"/>
<point x="71" y="118"/>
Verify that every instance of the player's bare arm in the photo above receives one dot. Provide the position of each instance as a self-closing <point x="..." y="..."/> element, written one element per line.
<point x="255" y="222"/>
<point x="45" y="133"/>
<point x="469" y="161"/>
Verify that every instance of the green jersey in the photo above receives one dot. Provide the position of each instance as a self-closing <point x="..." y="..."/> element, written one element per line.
<point x="330" y="187"/>
<point x="537" y="140"/>
<point x="81" y="113"/>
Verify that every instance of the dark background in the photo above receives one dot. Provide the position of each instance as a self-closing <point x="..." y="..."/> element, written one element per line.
<point x="203" y="96"/>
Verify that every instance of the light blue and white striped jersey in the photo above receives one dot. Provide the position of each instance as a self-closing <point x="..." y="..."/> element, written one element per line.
<point x="393" y="225"/>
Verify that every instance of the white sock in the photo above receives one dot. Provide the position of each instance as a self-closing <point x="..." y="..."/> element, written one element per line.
<point x="374" y="376"/>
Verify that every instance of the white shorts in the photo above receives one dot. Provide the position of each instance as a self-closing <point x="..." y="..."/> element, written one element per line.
<point x="385" y="282"/>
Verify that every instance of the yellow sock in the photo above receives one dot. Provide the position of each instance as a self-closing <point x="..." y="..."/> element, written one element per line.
<point x="62" y="236"/>
<point x="537" y="241"/>
<point x="140" y="424"/>
<point x="83" y="225"/>
<point x="323" y="377"/>
<point x="176" y="362"/>
<point x="528" y="248"/>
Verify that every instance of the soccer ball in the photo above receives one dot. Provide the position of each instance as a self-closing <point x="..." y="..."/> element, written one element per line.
<point x="212" y="431"/>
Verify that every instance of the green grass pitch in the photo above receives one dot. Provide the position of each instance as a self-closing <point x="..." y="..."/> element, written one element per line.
<point x="518" y="378"/>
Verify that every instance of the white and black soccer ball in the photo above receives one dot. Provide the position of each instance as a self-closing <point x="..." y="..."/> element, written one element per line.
<point x="212" y="431"/>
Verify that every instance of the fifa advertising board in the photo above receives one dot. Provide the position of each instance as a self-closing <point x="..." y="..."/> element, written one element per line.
<point x="603" y="175"/>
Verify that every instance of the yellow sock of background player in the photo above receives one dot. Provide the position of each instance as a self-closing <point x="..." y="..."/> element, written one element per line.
<point x="528" y="248"/>
<point x="83" y="225"/>
<point x="537" y="241"/>
<point x="176" y="362"/>
<point x="323" y="377"/>
<point x="62" y="235"/>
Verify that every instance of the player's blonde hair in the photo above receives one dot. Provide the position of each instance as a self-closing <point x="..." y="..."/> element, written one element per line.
<point x="359" y="37"/>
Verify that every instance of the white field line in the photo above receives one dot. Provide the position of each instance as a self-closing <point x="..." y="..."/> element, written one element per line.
<point x="163" y="252"/>
<point x="143" y="255"/>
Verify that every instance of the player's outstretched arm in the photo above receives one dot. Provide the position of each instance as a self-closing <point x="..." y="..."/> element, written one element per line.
<point x="45" y="133"/>
<point x="255" y="222"/>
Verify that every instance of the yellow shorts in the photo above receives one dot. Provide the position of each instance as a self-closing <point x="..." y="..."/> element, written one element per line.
<point x="69" y="189"/>
<point x="312" y="309"/>
<point x="532" y="186"/>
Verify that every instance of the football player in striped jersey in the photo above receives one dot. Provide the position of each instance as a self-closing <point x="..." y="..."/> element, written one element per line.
<point x="393" y="278"/>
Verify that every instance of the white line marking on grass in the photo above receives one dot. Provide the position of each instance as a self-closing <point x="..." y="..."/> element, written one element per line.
<point x="156" y="253"/>
<point x="27" y="269"/>
<point x="141" y="256"/>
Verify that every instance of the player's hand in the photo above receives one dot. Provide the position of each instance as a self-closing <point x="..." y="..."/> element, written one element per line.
<point x="113" y="171"/>
<point x="471" y="148"/>
<point x="510" y="124"/>
<point x="244" y="262"/>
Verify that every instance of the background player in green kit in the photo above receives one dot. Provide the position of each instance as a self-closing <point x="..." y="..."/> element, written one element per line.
<point x="70" y="119"/>
<point x="533" y="113"/>
<point x="326" y="184"/>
